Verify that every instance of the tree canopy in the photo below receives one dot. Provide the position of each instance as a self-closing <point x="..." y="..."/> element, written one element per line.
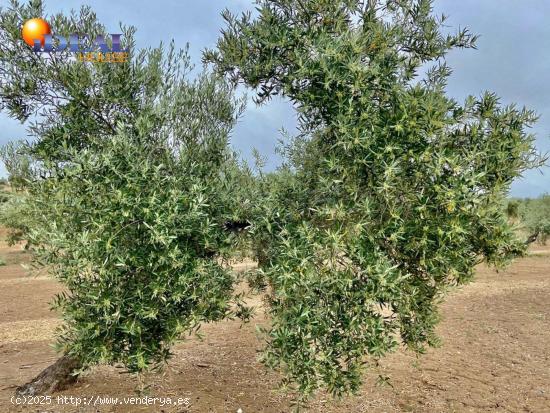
<point x="128" y="188"/>
<point x="394" y="188"/>
<point x="390" y="194"/>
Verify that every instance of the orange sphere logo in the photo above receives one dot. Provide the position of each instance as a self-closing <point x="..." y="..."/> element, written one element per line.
<point x="35" y="29"/>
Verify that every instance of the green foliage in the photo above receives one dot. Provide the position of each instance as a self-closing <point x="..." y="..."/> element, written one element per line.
<point x="392" y="192"/>
<point x="4" y="197"/>
<point x="15" y="215"/>
<point x="135" y="250"/>
<point x="512" y="209"/>
<point x="534" y="216"/>
<point x="17" y="163"/>
<point x="130" y="183"/>
<point x="14" y="210"/>
<point x="390" y="195"/>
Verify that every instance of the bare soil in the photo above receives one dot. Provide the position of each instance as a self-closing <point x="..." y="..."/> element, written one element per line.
<point x="495" y="355"/>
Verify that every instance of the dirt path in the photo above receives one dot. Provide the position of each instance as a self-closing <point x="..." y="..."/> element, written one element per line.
<point x="495" y="355"/>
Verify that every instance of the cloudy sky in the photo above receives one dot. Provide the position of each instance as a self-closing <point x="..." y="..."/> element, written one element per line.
<point x="512" y="59"/>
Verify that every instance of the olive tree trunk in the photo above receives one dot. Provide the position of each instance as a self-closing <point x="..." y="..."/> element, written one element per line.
<point x="53" y="378"/>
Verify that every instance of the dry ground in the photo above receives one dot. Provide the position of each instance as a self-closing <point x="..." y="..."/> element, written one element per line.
<point x="495" y="355"/>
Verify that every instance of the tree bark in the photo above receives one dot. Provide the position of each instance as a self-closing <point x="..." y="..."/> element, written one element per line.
<point x="56" y="377"/>
<point x="532" y="238"/>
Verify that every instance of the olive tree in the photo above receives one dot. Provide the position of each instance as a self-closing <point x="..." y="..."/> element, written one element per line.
<point x="392" y="190"/>
<point x="535" y="218"/>
<point x="14" y="211"/>
<point x="17" y="164"/>
<point x="129" y="189"/>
